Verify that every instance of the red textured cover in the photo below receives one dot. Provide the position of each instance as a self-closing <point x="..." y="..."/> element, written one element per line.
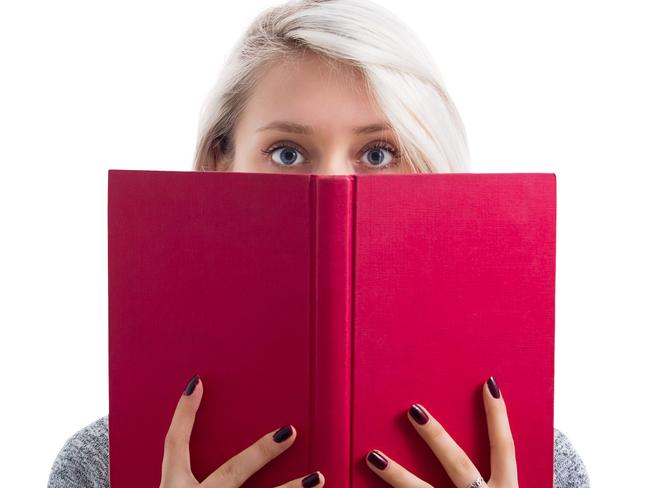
<point x="332" y="303"/>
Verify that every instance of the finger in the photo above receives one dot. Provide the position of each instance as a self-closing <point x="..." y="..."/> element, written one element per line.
<point x="176" y="456"/>
<point x="310" y="481"/>
<point x="392" y="472"/>
<point x="454" y="460"/>
<point x="502" y="447"/>
<point x="234" y="472"/>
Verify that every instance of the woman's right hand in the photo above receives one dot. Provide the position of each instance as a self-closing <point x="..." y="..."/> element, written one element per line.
<point x="176" y="468"/>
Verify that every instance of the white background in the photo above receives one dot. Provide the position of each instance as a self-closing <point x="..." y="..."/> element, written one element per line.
<point x="542" y="87"/>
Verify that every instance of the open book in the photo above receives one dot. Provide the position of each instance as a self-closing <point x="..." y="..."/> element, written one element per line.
<point x="331" y="303"/>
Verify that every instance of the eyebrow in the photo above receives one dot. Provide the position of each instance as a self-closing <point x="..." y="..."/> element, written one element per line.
<point x="307" y="130"/>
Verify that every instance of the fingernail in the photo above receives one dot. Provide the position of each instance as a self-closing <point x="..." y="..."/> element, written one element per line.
<point x="418" y="414"/>
<point x="191" y="385"/>
<point x="377" y="460"/>
<point x="311" y="480"/>
<point x="492" y="386"/>
<point x="282" y="434"/>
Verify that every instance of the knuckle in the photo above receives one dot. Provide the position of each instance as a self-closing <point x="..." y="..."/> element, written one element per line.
<point x="506" y="445"/>
<point x="510" y="448"/>
<point x="462" y="463"/>
<point x="502" y="482"/>
<point x="174" y="441"/>
<point x="397" y="476"/>
<point x="171" y="441"/>
<point x="231" y="470"/>
<point x="267" y="449"/>
<point x="436" y="433"/>
<point x="502" y="412"/>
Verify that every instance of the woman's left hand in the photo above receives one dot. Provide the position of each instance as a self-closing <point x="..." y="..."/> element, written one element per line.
<point x="456" y="463"/>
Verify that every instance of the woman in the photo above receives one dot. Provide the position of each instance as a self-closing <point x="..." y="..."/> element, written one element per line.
<point x="334" y="87"/>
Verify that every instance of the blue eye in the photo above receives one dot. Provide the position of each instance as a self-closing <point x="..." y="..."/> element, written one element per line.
<point x="380" y="155"/>
<point x="285" y="155"/>
<point x="377" y="157"/>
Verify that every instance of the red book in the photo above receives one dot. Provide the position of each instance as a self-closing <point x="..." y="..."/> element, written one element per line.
<point x="331" y="303"/>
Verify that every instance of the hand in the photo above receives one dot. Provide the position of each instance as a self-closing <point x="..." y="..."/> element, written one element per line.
<point x="176" y="469"/>
<point x="456" y="463"/>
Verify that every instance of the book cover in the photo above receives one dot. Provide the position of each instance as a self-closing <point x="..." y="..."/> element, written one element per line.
<point x="331" y="303"/>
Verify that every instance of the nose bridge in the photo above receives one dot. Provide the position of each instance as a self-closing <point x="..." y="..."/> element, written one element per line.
<point x="335" y="161"/>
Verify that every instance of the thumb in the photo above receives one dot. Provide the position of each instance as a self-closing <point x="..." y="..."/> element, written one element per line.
<point x="176" y="456"/>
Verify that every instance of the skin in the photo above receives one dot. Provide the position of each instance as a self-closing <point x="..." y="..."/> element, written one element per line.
<point x="333" y="102"/>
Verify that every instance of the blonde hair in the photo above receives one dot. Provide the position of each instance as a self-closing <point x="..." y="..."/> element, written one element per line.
<point x="397" y="69"/>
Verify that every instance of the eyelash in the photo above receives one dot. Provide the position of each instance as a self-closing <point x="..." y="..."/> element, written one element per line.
<point x="375" y="145"/>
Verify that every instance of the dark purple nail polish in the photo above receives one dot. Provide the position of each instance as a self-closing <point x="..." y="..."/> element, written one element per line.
<point x="492" y="386"/>
<point x="311" y="480"/>
<point x="282" y="434"/>
<point x="377" y="460"/>
<point x="191" y="385"/>
<point x="418" y="414"/>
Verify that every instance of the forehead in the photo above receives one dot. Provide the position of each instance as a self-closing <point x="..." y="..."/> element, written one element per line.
<point x="312" y="91"/>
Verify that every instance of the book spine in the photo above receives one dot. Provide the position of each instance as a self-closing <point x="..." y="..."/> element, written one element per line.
<point x="332" y="201"/>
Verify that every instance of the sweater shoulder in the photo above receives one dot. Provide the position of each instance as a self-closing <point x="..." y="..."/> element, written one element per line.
<point x="568" y="468"/>
<point x="82" y="462"/>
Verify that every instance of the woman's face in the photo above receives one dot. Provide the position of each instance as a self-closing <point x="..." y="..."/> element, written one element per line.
<point x="309" y="117"/>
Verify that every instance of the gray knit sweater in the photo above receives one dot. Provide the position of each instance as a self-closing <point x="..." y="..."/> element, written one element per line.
<point x="83" y="461"/>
